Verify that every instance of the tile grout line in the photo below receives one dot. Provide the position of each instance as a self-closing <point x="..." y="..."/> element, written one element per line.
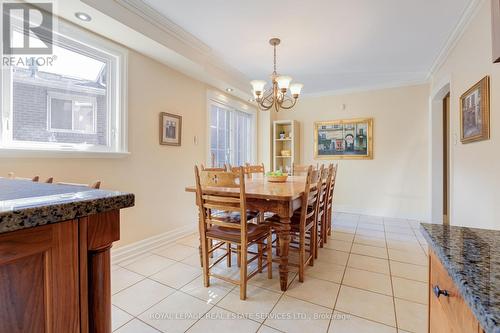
<point x="392" y="284"/>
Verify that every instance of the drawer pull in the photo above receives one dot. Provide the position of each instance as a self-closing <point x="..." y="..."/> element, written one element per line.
<point x="438" y="292"/>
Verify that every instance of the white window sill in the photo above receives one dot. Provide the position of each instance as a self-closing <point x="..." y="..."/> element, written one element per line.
<point x="52" y="153"/>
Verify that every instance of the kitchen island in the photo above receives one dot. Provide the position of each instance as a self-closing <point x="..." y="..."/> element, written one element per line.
<point x="464" y="279"/>
<point x="55" y="243"/>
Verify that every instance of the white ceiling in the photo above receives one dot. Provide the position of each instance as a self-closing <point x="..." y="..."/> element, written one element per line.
<point x="329" y="45"/>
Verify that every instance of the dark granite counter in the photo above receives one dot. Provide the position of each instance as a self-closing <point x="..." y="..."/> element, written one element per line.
<point x="472" y="259"/>
<point x="26" y="204"/>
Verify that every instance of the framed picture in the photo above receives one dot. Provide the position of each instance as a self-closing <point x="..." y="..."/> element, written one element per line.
<point x="344" y="139"/>
<point x="495" y="21"/>
<point x="475" y="112"/>
<point x="170" y="129"/>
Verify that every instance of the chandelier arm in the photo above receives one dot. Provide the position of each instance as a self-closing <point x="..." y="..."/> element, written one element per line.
<point x="294" y="101"/>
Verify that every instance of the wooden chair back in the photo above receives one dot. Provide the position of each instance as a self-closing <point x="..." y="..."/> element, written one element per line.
<point x="253" y="169"/>
<point x="213" y="169"/>
<point x="223" y="201"/>
<point x="301" y="170"/>
<point x="309" y="199"/>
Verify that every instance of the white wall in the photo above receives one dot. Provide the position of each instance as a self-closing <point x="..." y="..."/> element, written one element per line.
<point x="475" y="167"/>
<point x="395" y="182"/>
<point x="156" y="174"/>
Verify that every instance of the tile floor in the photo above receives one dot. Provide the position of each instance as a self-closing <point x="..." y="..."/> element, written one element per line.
<point x="370" y="277"/>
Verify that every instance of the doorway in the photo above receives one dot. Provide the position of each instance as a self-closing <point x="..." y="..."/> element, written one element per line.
<point x="446" y="159"/>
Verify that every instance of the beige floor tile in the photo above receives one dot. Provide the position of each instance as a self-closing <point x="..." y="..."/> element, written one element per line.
<point x="212" y="294"/>
<point x="371" y="219"/>
<point x="313" y="290"/>
<point x="395" y="220"/>
<point x="370" y="226"/>
<point x="141" y="296"/>
<point x="149" y="265"/>
<point x="344" y="228"/>
<point x="308" y="317"/>
<point x="342" y="236"/>
<point x="370" y="233"/>
<point x="409" y="271"/>
<point x="366" y="304"/>
<point x="404" y="245"/>
<point x="176" y="313"/>
<point x="122" y="278"/>
<point x="348" y="217"/>
<point x="128" y="261"/>
<point x="333" y="256"/>
<point x="222" y="321"/>
<point x="136" y="326"/>
<point x="338" y="245"/>
<point x="326" y="271"/>
<point x="176" y="252"/>
<point x="119" y="317"/>
<point x="177" y="275"/>
<point x="192" y="260"/>
<point x="411" y="290"/>
<point x="191" y="240"/>
<point x="400" y="237"/>
<point x="371" y="251"/>
<point x="406" y="230"/>
<point x="411" y="316"/>
<point x="371" y="281"/>
<point x="371" y="264"/>
<point x="346" y="323"/>
<point x="259" y="300"/>
<point x="416" y="258"/>
<point x="261" y="280"/>
<point x="371" y="241"/>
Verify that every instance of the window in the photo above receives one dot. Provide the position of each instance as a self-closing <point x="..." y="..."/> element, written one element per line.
<point x="231" y="135"/>
<point x="71" y="114"/>
<point x="75" y="102"/>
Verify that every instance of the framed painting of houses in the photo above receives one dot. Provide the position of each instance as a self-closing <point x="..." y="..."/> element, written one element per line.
<point x="170" y="129"/>
<point x="475" y="112"/>
<point x="344" y="139"/>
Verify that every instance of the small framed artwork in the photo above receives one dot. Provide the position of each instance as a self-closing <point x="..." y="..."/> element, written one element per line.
<point x="495" y="21"/>
<point x="344" y="139"/>
<point x="475" y="112"/>
<point x="170" y="129"/>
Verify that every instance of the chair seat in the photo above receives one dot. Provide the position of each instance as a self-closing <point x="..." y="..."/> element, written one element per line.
<point x="255" y="231"/>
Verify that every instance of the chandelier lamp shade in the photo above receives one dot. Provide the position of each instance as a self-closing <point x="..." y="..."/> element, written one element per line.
<point x="283" y="95"/>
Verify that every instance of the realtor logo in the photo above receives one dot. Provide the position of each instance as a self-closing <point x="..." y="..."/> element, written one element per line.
<point x="34" y="23"/>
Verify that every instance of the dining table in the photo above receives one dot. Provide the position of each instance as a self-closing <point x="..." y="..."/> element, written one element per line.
<point x="281" y="199"/>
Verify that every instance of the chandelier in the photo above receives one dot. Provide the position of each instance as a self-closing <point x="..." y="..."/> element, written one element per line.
<point x="283" y="95"/>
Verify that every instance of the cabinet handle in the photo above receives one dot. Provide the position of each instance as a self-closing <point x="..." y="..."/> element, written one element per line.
<point x="438" y="292"/>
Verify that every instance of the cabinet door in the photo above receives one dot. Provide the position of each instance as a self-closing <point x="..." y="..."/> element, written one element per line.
<point x="39" y="286"/>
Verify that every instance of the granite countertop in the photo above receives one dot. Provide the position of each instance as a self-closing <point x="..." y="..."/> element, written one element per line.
<point x="26" y="204"/>
<point x="472" y="258"/>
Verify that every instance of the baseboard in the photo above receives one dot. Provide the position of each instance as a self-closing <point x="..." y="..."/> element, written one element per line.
<point x="350" y="210"/>
<point x="133" y="250"/>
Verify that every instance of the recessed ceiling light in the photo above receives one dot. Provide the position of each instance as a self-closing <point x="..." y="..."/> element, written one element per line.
<point x="229" y="89"/>
<point x="83" y="16"/>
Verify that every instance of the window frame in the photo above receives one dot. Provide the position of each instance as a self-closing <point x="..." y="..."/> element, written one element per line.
<point x="72" y="98"/>
<point x="232" y="105"/>
<point x="75" y="38"/>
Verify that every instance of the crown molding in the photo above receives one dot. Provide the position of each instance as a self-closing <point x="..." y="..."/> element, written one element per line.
<point x="367" y="88"/>
<point x="457" y="33"/>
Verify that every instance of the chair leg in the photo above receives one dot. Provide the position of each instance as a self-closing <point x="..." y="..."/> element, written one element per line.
<point x="229" y="254"/>
<point x="322" y="231"/>
<point x="204" y="253"/>
<point x="313" y="244"/>
<point x="302" y="255"/>
<point x="201" y="255"/>
<point x="269" y="248"/>
<point x="238" y="255"/>
<point x="260" y="257"/>
<point x="243" y="272"/>
<point x="330" y="221"/>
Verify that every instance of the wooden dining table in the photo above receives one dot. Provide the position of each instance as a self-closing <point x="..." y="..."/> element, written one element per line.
<point x="278" y="198"/>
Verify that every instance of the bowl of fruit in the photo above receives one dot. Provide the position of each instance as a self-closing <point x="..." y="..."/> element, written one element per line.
<point x="276" y="176"/>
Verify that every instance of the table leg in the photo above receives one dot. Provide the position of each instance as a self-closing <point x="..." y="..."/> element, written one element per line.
<point x="284" y="243"/>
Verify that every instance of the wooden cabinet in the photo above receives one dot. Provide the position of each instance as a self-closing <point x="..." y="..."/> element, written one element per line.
<point x="448" y="312"/>
<point x="56" y="278"/>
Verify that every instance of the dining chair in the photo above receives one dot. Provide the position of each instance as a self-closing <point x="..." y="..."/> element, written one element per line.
<point x="301" y="170"/>
<point x="322" y="219"/>
<point x="11" y="175"/>
<point x="254" y="169"/>
<point x="230" y="227"/>
<point x="333" y="169"/>
<point x="303" y="223"/>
